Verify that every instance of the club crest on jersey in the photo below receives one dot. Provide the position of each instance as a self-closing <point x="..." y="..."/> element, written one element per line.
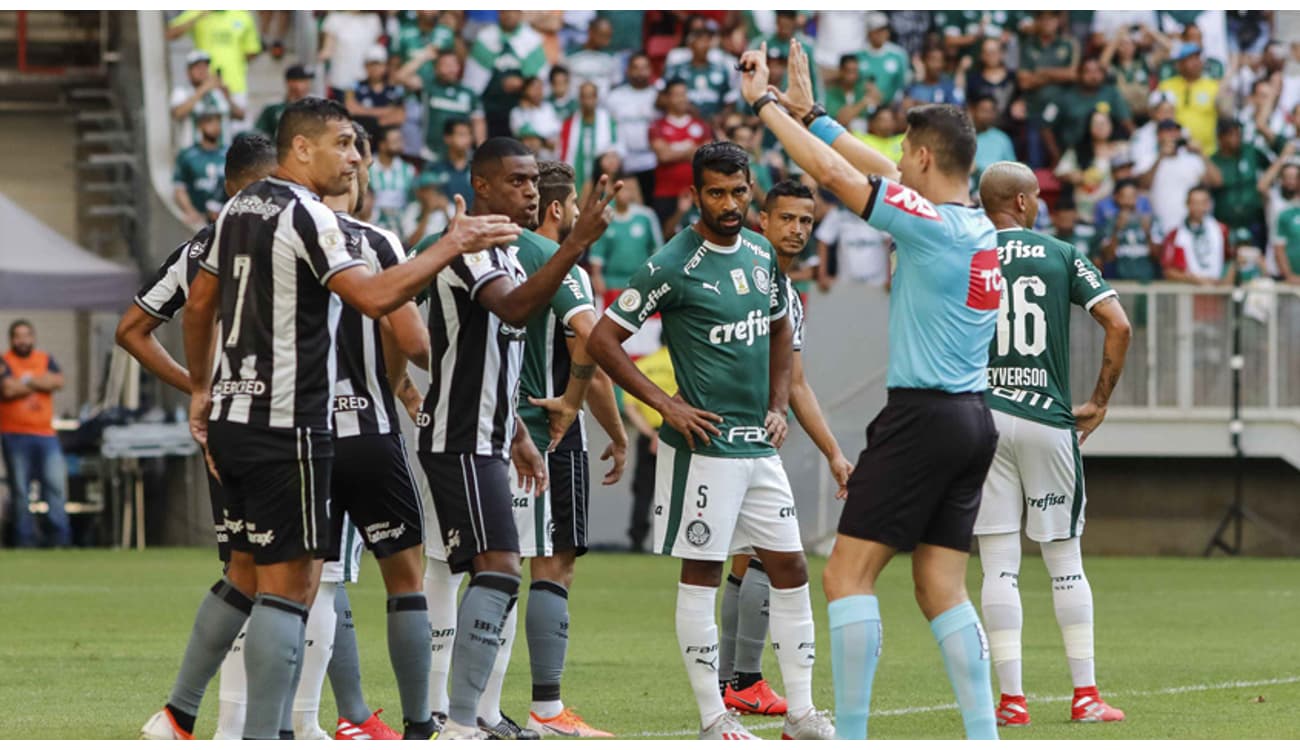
<point x="629" y="300"/>
<point x="197" y="248"/>
<point x="984" y="291"/>
<point x="909" y="201"/>
<point x="738" y="278"/>
<point x="762" y="279"/>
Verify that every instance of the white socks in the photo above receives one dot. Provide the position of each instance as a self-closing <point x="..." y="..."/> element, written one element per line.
<point x="489" y="704"/>
<point x="697" y="637"/>
<point x="793" y="636"/>
<point x="1000" y="605"/>
<point x="321" y="622"/>
<point x="1072" y="599"/>
<point x="233" y="695"/>
<point x="440" y="589"/>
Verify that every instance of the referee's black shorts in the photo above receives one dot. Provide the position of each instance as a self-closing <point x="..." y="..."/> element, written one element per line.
<point x="278" y="482"/>
<point x="475" y="507"/>
<point x="921" y="477"/>
<point x="372" y="483"/>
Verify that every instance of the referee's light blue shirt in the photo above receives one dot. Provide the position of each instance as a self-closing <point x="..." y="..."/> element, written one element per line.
<point x="946" y="291"/>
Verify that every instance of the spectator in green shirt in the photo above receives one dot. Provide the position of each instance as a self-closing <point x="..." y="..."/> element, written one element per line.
<point x="446" y="100"/>
<point x="425" y="34"/>
<point x="884" y="64"/>
<point x="297" y="84"/>
<point x="632" y="237"/>
<point x="1237" y="201"/>
<point x="846" y="96"/>
<point x="708" y="82"/>
<point x="199" y="177"/>
<point x="1067" y="116"/>
<point x="1286" y="245"/>
<point x="1048" y="61"/>
<point x="778" y="48"/>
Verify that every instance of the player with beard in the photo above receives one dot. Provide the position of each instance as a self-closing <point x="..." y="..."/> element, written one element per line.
<point x="787" y="221"/>
<point x="720" y="487"/>
<point x="468" y="426"/>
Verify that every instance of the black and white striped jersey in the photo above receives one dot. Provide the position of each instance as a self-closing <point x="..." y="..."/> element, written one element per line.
<point x="275" y="248"/>
<point x="474" y="363"/>
<point x="164" y="294"/>
<point x="796" y="314"/>
<point x="363" y="400"/>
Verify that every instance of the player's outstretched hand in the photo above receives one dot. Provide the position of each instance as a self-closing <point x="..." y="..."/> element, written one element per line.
<point x="691" y="422"/>
<point x="473" y="233"/>
<point x="560" y="415"/>
<point x="753" y="73"/>
<point x="798" y="96"/>
<point x="1087" y="418"/>
<point x="777" y="428"/>
<point x="618" y="452"/>
<point x="595" y="215"/>
<point x="840" y="470"/>
<point x="529" y="465"/>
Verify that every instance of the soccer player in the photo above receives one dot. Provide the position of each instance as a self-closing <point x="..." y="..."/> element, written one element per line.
<point x="558" y="375"/>
<point x="277" y="256"/>
<point x="1037" y="472"/>
<point x="719" y="485"/>
<point x="468" y="426"/>
<point x="917" y="485"/>
<point x="787" y="221"/>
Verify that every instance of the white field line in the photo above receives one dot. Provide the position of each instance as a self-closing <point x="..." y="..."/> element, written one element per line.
<point x="910" y="710"/>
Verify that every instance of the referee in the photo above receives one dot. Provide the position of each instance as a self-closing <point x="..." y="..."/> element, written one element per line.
<point x="276" y="256"/>
<point x="917" y="485"/>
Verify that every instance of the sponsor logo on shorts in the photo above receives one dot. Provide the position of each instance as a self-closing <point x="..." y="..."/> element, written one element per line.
<point x="239" y="388"/>
<point x="520" y="502"/>
<point x="1050" y="500"/>
<point x="453" y="540"/>
<point x="261" y="538"/>
<point x="659" y="510"/>
<point x="787" y="512"/>
<point x="234" y="525"/>
<point x="351" y="403"/>
<point x="378" y="532"/>
<point x="698" y="533"/>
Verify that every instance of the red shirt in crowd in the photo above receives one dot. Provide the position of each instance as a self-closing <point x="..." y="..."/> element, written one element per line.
<point x="671" y="180"/>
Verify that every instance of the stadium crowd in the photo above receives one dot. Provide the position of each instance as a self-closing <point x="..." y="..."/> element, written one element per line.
<point x="1164" y="142"/>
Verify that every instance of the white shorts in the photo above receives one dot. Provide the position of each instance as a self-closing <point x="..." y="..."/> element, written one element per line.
<point x="347" y="569"/>
<point x="433" y="548"/>
<point x="532" y="519"/>
<point x="1036" y="471"/>
<point x="707" y="508"/>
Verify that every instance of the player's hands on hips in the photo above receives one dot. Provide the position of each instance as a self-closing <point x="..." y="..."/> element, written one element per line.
<point x="753" y="73"/>
<point x="560" y="415"/>
<point x="594" y="215"/>
<point x="840" y="470"/>
<point x="473" y="233"/>
<point x="1087" y="418"/>
<point x="529" y="465"/>
<point x="691" y="422"/>
<point x="618" y="452"/>
<point x="200" y="406"/>
<point x="777" y="428"/>
<point x="798" y="96"/>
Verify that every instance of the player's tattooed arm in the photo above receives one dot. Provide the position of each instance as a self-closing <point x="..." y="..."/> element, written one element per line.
<point x="562" y="410"/>
<point x="1110" y="315"/>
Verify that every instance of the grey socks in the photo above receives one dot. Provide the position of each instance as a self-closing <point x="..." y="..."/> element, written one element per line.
<point x="727" y="629"/>
<point x="478" y="636"/>
<point x="410" y="649"/>
<point x="345" y="663"/>
<point x="216" y="624"/>
<point x="547" y="625"/>
<point x="751" y="621"/>
<point x="272" y="655"/>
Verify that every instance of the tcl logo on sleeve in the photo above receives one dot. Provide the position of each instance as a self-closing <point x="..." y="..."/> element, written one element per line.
<point x="985" y="289"/>
<point x="908" y="200"/>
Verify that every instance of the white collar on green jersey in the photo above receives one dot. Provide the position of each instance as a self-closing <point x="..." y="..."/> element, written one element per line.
<point x="724" y="249"/>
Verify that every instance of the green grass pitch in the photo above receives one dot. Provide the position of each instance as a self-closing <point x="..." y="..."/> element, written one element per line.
<point x="1189" y="648"/>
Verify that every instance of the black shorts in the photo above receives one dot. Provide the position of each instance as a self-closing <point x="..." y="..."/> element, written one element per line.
<point x="921" y="477"/>
<point x="471" y="495"/>
<point x="570" y="489"/>
<point x="372" y="483"/>
<point x="227" y="519"/>
<point x="278" y="482"/>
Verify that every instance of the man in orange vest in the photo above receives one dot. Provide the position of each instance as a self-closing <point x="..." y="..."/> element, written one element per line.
<point x="31" y="449"/>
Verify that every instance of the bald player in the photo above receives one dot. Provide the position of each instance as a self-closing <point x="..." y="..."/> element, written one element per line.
<point x="1037" y="472"/>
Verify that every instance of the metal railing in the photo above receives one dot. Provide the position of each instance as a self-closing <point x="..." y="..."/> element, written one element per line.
<point x="1179" y="359"/>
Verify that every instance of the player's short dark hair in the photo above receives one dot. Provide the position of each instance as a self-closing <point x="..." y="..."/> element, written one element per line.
<point x="555" y="180"/>
<point x="723" y="157"/>
<point x="450" y="125"/>
<point x="250" y="150"/>
<point x="1126" y="182"/>
<point x="363" y="141"/>
<point x="787" y="188"/>
<point x="948" y="132"/>
<point x="555" y="71"/>
<point x="14" y="326"/>
<point x="306" y="117"/>
<point x="492" y="151"/>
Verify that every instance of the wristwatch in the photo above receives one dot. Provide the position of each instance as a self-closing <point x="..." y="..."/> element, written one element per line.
<point x="762" y="101"/>
<point x="816" y="111"/>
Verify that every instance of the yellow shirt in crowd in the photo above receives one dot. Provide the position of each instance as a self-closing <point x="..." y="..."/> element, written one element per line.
<point x="229" y="37"/>
<point x="1195" y="108"/>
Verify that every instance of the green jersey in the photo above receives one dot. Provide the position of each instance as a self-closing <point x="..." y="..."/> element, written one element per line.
<point x="410" y="40"/>
<point x="545" y="372"/>
<point x="1061" y="52"/>
<point x="1287" y="234"/>
<point x="1029" y="358"/>
<point x="708" y="86"/>
<point x="630" y="239"/>
<point x="202" y="172"/>
<point x="717" y="304"/>
<point x="269" y="119"/>
<point x="394" y="189"/>
<point x="445" y="102"/>
<point x="887" y="67"/>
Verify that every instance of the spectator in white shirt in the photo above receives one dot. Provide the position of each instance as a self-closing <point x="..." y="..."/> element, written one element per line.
<point x="1180" y="167"/>
<point x="203" y="93"/>
<point x="862" y="251"/>
<point x="633" y="107"/>
<point x="535" y="112"/>
<point x="346" y="36"/>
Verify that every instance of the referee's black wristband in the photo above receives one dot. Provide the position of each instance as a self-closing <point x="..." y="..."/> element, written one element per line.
<point x="816" y="111"/>
<point x="763" y="101"/>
